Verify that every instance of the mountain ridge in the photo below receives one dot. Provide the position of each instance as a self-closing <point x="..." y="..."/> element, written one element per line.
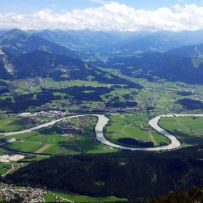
<point x="183" y="64"/>
<point x="17" y="42"/>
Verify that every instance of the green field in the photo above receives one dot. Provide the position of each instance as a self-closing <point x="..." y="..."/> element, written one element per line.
<point x="50" y="197"/>
<point x="4" y="167"/>
<point x="12" y="123"/>
<point x="133" y="126"/>
<point x="188" y="129"/>
<point x="48" y="141"/>
<point x="58" y="144"/>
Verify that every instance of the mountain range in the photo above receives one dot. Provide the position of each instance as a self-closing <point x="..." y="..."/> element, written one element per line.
<point x="25" y="55"/>
<point x="17" y="42"/>
<point x="182" y="64"/>
<point x="122" y="42"/>
<point x="168" y="55"/>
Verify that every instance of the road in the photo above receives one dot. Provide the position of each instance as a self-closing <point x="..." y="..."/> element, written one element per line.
<point x="103" y="121"/>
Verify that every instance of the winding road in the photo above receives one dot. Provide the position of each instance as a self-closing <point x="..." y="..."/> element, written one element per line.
<point x="103" y="121"/>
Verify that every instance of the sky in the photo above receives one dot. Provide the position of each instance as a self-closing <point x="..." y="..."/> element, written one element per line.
<point x="105" y="15"/>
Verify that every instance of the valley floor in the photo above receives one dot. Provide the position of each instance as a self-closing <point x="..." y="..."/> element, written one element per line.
<point x="99" y="130"/>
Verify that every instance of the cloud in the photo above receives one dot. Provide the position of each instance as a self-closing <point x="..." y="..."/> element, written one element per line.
<point x="111" y="16"/>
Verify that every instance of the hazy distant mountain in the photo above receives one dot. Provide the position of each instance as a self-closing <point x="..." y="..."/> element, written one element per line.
<point x="182" y="64"/>
<point x="17" y="42"/>
<point x="158" y="42"/>
<point x="86" y="40"/>
<point x="112" y="49"/>
<point x="3" y="32"/>
<point x="122" y="42"/>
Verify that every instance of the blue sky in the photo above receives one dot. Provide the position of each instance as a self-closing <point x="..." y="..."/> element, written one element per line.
<point x="26" y="6"/>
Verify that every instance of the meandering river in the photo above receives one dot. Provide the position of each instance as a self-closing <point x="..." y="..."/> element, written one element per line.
<point x="103" y="121"/>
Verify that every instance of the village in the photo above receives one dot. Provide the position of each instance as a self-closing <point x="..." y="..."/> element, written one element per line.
<point x="11" y="193"/>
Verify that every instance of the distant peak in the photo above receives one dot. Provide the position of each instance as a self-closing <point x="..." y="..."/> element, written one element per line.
<point x="16" y="32"/>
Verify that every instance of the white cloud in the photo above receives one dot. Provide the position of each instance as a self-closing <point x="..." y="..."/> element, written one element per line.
<point x="111" y="16"/>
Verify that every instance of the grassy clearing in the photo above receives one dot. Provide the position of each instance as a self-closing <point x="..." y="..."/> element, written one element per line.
<point x="133" y="126"/>
<point x="62" y="84"/>
<point x="3" y="152"/>
<point x="12" y="123"/>
<point x="34" y="85"/>
<point x="24" y="146"/>
<point x="50" y="197"/>
<point x="188" y="129"/>
<point x="4" y="167"/>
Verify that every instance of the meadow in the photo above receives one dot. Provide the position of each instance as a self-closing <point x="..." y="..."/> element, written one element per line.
<point x="10" y="123"/>
<point x="55" y="140"/>
<point x="188" y="129"/>
<point x="67" y="197"/>
<point x="133" y="126"/>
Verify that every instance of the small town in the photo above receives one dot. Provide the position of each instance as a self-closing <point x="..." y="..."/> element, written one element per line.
<point x="11" y="193"/>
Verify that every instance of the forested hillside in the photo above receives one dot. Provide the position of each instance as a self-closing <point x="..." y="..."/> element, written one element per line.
<point x="125" y="174"/>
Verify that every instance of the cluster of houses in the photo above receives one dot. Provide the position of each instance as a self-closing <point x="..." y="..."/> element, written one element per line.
<point x="10" y="193"/>
<point x="43" y="114"/>
<point x="10" y="158"/>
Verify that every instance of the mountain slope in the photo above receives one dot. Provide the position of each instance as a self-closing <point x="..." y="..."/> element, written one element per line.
<point x="86" y="41"/>
<point x="6" y="67"/>
<point x="122" y="42"/>
<point x="58" y="67"/>
<point x="18" y="42"/>
<point x="100" y="175"/>
<point x="193" y="196"/>
<point x="42" y="63"/>
<point x="39" y="64"/>
<point x="183" y="64"/>
<point x="158" y="41"/>
<point x="3" y="32"/>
